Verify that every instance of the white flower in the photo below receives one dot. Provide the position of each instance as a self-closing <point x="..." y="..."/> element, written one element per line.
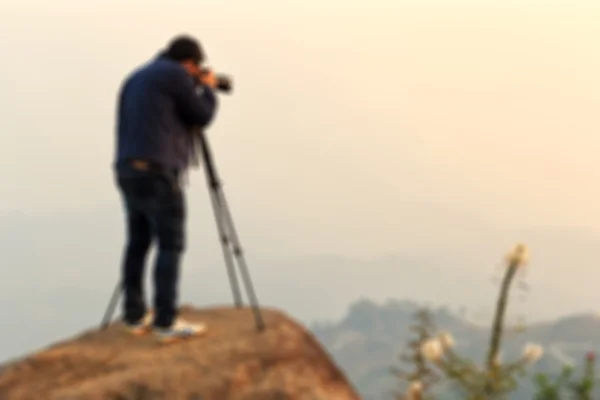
<point x="432" y="349"/>
<point x="446" y="340"/>
<point x="532" y="352"/>
<point x="518" y="256"/>
<point x="414" y="390"/>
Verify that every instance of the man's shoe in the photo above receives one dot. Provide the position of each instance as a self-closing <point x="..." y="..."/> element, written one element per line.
<point x="141" y="327"/>
<point x="180" y="330"/>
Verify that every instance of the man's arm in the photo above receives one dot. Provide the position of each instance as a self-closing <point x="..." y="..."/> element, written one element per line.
<point x="195" y="108"/>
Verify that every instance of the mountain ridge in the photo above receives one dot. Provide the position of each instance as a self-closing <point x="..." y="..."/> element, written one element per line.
<point x="368" y="341"/>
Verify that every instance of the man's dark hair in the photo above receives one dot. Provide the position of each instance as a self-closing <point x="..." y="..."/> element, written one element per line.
<point x="183" y="48"/>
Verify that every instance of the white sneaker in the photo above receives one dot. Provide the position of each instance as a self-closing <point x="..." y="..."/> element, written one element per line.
<point x="180" y="330"/>
<point x="141" y="327"/>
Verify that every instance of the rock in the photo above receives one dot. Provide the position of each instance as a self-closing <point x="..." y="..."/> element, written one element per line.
<point x="232" y="361"/>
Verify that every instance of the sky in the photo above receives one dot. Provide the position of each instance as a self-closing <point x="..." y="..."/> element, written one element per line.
<point x="356" y="128"/>
<point x="490" y="109"/>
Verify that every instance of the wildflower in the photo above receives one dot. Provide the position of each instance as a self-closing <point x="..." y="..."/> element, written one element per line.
<point x="532" y="352"/>
<point x="446" y="340"/>
<point x="432" y="349"/>
<point x="591" y="356"/>
<point x="519" y="256"/>
<point x="414" y="390"/>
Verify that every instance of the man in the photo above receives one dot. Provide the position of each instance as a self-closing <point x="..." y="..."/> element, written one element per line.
<point x="159" y="106"/>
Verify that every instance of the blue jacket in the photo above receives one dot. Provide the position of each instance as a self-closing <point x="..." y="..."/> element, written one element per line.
<point x="158" y="106"/>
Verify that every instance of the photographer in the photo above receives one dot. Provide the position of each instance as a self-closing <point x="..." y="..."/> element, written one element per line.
<point x="159" y="105"/>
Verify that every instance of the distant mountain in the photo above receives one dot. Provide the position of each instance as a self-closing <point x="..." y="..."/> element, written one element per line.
<point x="368" y="340"/>
<point x="61" y="268"/>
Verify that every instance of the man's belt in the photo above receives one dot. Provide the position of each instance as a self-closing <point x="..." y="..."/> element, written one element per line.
<point x="143" y="165"/>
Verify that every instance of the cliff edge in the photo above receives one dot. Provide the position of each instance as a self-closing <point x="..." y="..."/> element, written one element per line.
<point x="232" y="361"/>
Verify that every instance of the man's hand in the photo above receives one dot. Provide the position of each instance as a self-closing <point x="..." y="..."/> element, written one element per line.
<point x="208" y="78"/>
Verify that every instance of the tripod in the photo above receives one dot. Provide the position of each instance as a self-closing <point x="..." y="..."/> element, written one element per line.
<point x="229" y="242"/>
<point x="230" y="245"/>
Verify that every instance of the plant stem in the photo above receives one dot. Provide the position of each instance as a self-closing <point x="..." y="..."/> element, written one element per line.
<point x="497" y="327"/>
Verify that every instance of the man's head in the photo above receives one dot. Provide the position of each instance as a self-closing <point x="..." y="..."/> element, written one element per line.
<point x="186" y="51"/>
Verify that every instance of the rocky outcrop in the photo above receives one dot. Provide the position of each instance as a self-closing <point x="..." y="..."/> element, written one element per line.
<point x="232" y="361"/>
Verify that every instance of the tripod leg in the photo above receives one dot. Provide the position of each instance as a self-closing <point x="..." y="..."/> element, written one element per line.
<point x="110" y="310"/>
<point x="235" y="287"/>
<point x="238" y="253"/>
<point x="219" y="204"/>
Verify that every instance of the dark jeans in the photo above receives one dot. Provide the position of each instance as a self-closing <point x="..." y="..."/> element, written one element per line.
<point x="155" y="209"/>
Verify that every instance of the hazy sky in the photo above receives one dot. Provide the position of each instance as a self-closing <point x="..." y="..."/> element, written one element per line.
<point x="350" y="120"/>
<point x="339" y="106"/>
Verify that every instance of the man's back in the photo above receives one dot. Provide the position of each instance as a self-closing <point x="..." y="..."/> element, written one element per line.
<point x="157" y="108"/>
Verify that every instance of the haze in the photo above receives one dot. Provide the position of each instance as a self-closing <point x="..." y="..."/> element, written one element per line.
<point x="367" y="143"/>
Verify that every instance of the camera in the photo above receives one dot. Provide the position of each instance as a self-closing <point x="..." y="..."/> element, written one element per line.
<point x="224" y="82"/>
